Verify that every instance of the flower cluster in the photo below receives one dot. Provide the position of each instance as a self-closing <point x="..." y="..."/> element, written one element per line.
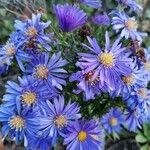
<point x="41" y="107"/>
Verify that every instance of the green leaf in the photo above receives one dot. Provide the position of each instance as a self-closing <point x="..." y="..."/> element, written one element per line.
<point x="141" y="138"/>
<point x="144" y="147"/>
<point x="146" y="128"/>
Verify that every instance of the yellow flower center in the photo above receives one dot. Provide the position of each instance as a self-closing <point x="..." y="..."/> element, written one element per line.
<point x="131" y="24"/>
<point x="32" y="31"/>
<point x="82" y="136"/>
<point x="10" y="49"/>
<point x="113" y="121"/>
<point x="41" y="72"/>
<point x="60" y="121"/>
<point x="147" y="66"/>
<point x="29" y="98"/>
<point x="17" y="122"/>
<point x="128" y="79"/>
<point x="143" y="93"/>
<point x="89" y="77"/>
<point x="107" y="59"/>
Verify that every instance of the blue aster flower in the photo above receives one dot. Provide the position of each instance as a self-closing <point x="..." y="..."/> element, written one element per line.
<point x="48" y="70"/>
<point x="101" y="19"/>
<point x="134" y="80"/>
<point x="70" y="17"/>
<point x="59" y="116"/>
<point x="17" y="125"/>
<point x="10" y="51"/>
<point x="84" y="135"/>
<point x="141" y="99"/>
<point x="90" y="87"/>
<point x="92" y="3"/>
<point x="132" y="4"/>
<point x="32" y="33"/>
<point x="127" y="25"/>
<point x="113" y="120"/>
<point x="28" y="94"/>
<point x="39" y="143"/>
<point x="109" y="64"/>
<point x="134" y="119"/>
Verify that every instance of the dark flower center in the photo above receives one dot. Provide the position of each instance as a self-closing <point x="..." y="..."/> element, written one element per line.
<point x="89" y="77"/>
<point x="128" y="79"/>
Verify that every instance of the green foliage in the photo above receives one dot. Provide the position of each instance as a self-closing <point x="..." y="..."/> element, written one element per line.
<point x="6" y="24"/>
<point x="143" y="137"/>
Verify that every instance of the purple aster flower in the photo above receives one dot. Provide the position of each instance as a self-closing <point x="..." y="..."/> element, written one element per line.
<point x="132" y="4"/>
<point x="86" y="84"/>
<point x="28" y="94"/>
<point x="10" y="51"/>
<point x="113" y="120"/>
<point x="17" y="126"/>
<point x="70" y="17"/>
<point x="134" y="119"/>
<point x="32" y="32"/>
<point x="109" y="64"/>
<point x="127" y="25"/>
<point x="48" y="70"/>
<point x="101" y="19"/>
<point x="92" y="3"/>
<point x="84" y="135"/>
<point x="59" y="116"/>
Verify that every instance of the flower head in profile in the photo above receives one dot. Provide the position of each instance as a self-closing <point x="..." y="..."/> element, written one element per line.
<point x="127" y="25"/>
<point x="84" y="135"/>
<point x="132" y="4"/>
<point x="101" y="19"/>
<point x="92" y="3"/>
<point x="28" y="94"/>
<point x="32" y="31"/>
<point x="86" y="84"/>
<point x="109" y="63"/>
<point x="70" y="17"/>
<point x="59" y="116"/>
<point x="48" y="70"/>
<point x="17" y="125"/>
<point x="113" y="120"/>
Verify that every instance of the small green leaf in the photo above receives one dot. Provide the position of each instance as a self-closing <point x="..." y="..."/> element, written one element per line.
<point x="146" y="128"/>
<point x="141" y="138"/>
<point x="144" y="147"/>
